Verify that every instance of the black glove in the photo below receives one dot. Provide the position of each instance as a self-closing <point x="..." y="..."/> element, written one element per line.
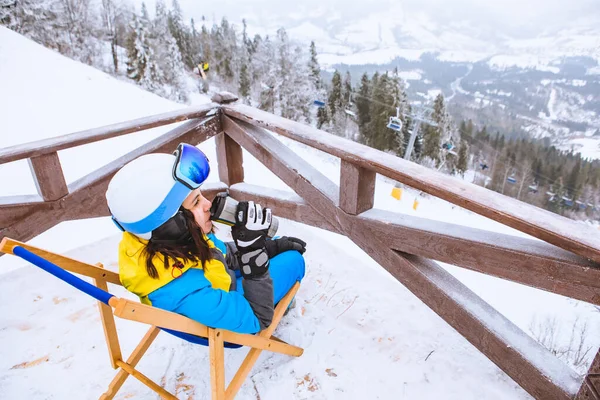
<point x="249" y="234"/>
<point x="284" y="243"/>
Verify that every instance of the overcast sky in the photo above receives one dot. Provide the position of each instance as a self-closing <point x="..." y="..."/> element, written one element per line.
<point x="512" y="16"/>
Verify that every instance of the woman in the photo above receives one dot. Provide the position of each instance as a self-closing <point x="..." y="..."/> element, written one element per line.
<point x="171" y="259"/>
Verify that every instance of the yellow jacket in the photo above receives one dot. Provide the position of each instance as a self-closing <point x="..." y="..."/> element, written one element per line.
<point x="133" y="275"/>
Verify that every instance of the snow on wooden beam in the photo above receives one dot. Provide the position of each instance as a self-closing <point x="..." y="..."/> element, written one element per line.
<point x="357" y="188"/>
<point x="86" y="198"/>
<point x="527" y="362"/>
<point x="230" y="160"/>
<point x="527" y="261"/>
<point x="283" y="204"/>
<point x="560" y="231"/>
<point x="303" y="178"/>
<point x="51" y="145"/>
<point x="48" y="176"/>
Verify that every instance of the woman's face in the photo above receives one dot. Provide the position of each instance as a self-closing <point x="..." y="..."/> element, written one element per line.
<point x="200" y="207"/>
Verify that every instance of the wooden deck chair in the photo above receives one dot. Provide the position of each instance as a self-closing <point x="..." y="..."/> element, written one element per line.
<point x="175" y="324"/>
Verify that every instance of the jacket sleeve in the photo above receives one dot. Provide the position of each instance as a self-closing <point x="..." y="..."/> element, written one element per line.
<point x="230" y="259"/>
<point x="193" y="296"/>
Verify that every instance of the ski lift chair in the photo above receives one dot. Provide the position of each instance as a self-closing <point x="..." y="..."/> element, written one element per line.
<point x="175" y="324"/>
<point x="319" y="103"/>
<point x="533" y="188"/>
<point x="511" y="179"/>
<point x="395" y="124"/>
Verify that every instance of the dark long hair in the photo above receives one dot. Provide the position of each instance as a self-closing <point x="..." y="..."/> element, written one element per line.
<point x="191" y="246"/>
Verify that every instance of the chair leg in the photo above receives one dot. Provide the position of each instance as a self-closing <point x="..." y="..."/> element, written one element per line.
<point x="253" y="354"/>
<point x="132" y="361"/>
<point x="146" y="381"/>
<point x="217" y="363"/>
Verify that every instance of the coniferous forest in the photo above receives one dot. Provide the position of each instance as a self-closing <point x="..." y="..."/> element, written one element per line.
<point x="159" y="51"/>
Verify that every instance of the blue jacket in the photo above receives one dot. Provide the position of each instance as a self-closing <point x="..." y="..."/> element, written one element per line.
<point x="193" y="295"/>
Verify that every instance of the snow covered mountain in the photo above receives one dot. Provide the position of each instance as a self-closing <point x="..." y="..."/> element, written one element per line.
<point x="364" y="334"/>
<point x="520" y="67"/>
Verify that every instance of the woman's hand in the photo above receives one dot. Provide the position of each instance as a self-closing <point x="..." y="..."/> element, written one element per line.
<point x="285" y="243"/>
<point x="249" y="234"/>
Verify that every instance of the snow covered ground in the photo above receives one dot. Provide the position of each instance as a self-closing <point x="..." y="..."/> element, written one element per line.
<point x="364" y="334"/>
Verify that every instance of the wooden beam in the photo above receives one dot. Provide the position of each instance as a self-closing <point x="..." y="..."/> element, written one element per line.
<point x="250" y="360"/>
<point x="283" y="204"/>
<point x="526" y="261"/>
<point x="560" y="231"/>
<point x="87" y="195"/>
<point x="303" y="178"/>
<point x="590" y="389"/>
<point x="108" y="324"/>
<point x="52" y="145"/>
<point x="527" y="362"/>
<point x="216" y="357"/>
<point x="135" y="311"/>
<point x="357" y="188"/>
<point x="132" y="361"/>
<point x="230" y="160"/>
<point x="261" y="343"/>
<point x="146" y="381"/>
<point x="48" y="176"/>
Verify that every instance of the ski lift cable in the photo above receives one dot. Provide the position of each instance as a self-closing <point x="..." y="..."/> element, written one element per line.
<point x="497" y="153"/>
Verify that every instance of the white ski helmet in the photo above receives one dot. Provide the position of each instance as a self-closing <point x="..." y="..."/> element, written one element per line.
<point x="145" y="194"/>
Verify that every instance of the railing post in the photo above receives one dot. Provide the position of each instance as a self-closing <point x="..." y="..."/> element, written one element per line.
<point x="229" y="153"/>
<point x="48" y="176"/>
<point x="590" y="389"/>
<point x="357" y="188"/>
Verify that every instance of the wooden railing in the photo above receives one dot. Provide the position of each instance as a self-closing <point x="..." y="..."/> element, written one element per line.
<point x="565" y="261"/>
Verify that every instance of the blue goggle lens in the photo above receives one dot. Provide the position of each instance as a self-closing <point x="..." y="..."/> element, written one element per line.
<point x="191" y="167"/>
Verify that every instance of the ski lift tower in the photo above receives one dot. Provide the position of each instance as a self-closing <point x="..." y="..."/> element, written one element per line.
<point x="421" y="114"/>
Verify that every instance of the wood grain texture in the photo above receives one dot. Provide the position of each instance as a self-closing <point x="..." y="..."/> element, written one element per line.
<point x="527" y="362"/>
<point x="108" y="324"/>
<point x="48" y="176"/>
<point x="52" y="145"/>
<point x="217" y="363"/>
<point x="307" y="181"/>
<point x="87" y="195"/>
<point x="526" y="261"/>
<point x="560" y="231"/>
<point x="357" y="188"/>
<point x="69" y="264"/>
<point x="132" y="361"/>
<point x="230" y="160"/>
<point x="590" y="389"/>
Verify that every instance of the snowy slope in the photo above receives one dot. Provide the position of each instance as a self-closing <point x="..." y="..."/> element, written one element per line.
<point x="364" y="334"/>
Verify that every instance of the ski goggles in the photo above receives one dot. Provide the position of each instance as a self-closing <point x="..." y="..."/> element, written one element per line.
<point x="190" y="170"/>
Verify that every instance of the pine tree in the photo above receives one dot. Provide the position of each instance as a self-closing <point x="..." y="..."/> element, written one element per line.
<point x="168" y="58"/>
<point x="463" y="158"/>
<point x="435" y="134"/>
<point x="335" y="94"/>
<point x="363" y="106"/>
<point x="182" y="35"/>
<point x="136" y="51"/>
<point x="244" y="84"/>
<point x="315" y="69"/>
<point x="574" y="182"/>
<point x="380" y="136"/>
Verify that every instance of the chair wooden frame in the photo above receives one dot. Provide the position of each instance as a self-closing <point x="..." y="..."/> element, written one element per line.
<point x="134" y="311"/>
